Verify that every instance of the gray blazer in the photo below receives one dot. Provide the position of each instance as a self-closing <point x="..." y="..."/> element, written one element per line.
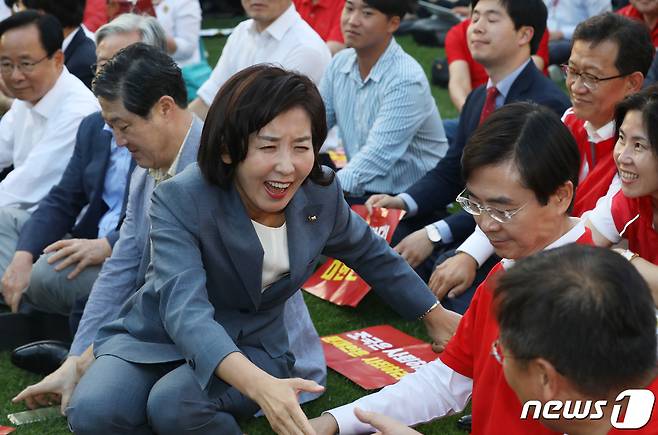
<point x="203" y="300"/>
<point x="123" y="273"/>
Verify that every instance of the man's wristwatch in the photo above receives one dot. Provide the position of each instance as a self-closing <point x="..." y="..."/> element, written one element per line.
<point x="433" y="233"/>
<point x="627" y="254"/>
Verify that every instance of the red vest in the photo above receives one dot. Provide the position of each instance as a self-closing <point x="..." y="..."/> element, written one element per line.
<point x="597" y="166"/>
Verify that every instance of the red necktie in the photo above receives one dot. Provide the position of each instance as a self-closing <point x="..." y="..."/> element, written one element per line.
<point x="489" y="103"/>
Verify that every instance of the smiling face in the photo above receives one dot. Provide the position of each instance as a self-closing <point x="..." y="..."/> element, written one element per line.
<point x="23" y="44"/>
<point x="279" y="158"/>
<point x="597" y="106"/>
<point x="265" y="12"/>
<point x="365" y="27"/>
<point x="636" y="161"/>
<point x="492" y="38"/>
<point x="145" y="138"/>
<point x="534" y="227"/>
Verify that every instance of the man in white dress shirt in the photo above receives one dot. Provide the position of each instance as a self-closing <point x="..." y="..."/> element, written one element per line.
<point x="38" y="133"/>
<point x="275" y="33"/>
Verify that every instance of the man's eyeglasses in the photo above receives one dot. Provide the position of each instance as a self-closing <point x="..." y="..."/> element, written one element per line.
<point x="476" y="209"/>
<point x="24" y="66"/>
<point x="590" y="81"/>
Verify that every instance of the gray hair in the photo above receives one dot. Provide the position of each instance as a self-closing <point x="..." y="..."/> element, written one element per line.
<point x="148" y="27"/>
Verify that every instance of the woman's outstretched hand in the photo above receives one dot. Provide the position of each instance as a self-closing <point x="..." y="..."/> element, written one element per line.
<point x="276" y="397"/>
<point x="278" y="400"/>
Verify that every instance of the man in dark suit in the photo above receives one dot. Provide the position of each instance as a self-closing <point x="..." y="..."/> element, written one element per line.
<point x="502" y="36"/>
<point x="79" y="50"/>
<point x="73" y="249"/>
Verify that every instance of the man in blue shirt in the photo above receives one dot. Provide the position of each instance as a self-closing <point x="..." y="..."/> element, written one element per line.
<point x="381" y="101"/>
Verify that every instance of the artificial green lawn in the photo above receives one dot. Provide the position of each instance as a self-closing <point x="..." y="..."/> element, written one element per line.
<point x="327" y="317"/>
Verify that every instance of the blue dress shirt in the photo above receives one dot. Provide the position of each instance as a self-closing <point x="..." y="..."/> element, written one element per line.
<point x="389" y="123"/>
<point x="114" y="187"/>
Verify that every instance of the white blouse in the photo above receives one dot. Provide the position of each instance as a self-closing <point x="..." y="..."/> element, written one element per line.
<point x="276" y="261"/>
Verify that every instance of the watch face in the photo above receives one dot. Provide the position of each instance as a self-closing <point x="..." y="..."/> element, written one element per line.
<point x="433" y="234"/>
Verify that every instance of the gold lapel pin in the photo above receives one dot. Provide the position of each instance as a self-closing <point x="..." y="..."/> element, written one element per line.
<point x="312" y="218"/>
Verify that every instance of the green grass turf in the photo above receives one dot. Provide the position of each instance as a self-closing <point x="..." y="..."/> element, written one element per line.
<point x="328" y="318"/>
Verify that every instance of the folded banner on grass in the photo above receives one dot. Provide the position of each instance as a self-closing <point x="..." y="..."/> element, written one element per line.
<point x="377" y="356"/>
<point x="337" y="283"/>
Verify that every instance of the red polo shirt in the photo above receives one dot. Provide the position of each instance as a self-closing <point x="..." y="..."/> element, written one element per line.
<point x="496" y="409"/>
<point x="323" y="17"/>
<point x="631" y="12"/>
<point x="457" y="49"/>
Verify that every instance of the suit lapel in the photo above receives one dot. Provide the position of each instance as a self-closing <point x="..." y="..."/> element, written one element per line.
<point x="302" y="222"/>
<point x="73" y="45"/>
<point x="519" y="88"/>
<point x="244" y="247"/>
<point x="191" y="145"/>
<point x="241" y="242"/>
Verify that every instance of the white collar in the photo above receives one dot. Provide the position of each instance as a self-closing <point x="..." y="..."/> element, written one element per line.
<point x="600" y="134"/>
<point x="278" y="28"/>
<point x="51" y="102"/>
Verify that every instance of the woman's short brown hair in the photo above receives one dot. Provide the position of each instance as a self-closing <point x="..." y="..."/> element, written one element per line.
<point x="247" y="102"/>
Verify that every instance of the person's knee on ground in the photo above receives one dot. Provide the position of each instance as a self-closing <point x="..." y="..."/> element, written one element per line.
<point x="177" y="404"/>
<point x="111" y="397"/>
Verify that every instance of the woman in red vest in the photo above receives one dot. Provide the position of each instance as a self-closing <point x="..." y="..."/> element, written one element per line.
<point x="631" y="213"/>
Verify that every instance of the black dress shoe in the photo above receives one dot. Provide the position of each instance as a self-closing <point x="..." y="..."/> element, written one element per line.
<point x="41" y="357"/>
<point x="464" y="423"/>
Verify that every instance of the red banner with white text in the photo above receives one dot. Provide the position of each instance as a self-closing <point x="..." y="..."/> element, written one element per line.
<point x="337" y="283"/>
<point x="376" y="356"/>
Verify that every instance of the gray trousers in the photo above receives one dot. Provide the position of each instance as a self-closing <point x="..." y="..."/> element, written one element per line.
<point x="120" y="397"/>
<point x="49" y="291"/>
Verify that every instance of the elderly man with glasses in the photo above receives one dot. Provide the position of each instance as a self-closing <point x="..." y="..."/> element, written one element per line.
<point x="37" y="135"/>
<point x="521" y="170"/>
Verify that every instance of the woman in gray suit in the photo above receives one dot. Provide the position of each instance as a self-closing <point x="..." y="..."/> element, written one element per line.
<point x="203" y="343"/>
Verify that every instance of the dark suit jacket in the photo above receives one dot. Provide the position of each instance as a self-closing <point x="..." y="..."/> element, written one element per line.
<point x="441" y="185"/>
<point x="202" y="299"/>
<point x="82" y="184"/>
<point x="79" y="56"/>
